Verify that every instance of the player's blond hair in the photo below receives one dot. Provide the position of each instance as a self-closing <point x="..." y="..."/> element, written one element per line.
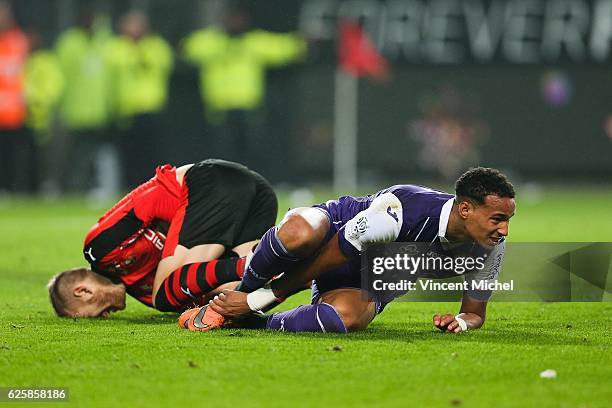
<point x="60" y="289"/>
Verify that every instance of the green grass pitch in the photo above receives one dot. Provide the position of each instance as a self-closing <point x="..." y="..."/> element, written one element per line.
<point x="140" y="357"/>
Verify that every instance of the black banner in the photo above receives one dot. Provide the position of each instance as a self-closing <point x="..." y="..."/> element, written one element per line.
<point x="549" y="272"/>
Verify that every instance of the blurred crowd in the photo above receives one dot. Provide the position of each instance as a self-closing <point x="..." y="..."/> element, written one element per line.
<point x="85" y="113"/>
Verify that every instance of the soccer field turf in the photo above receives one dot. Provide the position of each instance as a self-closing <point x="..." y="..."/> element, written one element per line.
<point x="139" y="357"/>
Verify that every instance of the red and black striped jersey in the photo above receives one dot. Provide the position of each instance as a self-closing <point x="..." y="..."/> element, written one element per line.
<point x="123" y="245"/>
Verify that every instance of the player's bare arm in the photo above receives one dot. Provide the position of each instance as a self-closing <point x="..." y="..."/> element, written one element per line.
<point x="328" y="258"/>
<point x="302" y="230"/>
<point x="233" y="303"/>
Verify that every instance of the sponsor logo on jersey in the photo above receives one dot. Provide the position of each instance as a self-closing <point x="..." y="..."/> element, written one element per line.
<point x="154" y="238"/>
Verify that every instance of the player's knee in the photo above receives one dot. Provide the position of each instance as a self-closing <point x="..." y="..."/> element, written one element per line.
<point x="302" y="234"/>
<point x="353" y="320"/>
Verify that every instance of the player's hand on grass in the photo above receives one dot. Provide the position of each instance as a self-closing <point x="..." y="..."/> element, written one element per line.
<point x="447" y="323"/>
<point x="230" y="303"/>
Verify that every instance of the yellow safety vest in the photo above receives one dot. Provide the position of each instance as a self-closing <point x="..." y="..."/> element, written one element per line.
<point x="85" y="102"/>
<point x="44" y="84"/>
<point x="232" y="69"/>
<point x="139" y="74"/>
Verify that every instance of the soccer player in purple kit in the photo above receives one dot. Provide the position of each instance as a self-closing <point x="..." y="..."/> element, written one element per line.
<point x="323" y="243"/>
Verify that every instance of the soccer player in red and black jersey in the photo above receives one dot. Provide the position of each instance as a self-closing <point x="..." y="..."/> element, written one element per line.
<point x="215" y="212"/>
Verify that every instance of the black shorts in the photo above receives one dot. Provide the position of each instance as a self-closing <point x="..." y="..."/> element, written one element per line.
<point x="227" y="204"/>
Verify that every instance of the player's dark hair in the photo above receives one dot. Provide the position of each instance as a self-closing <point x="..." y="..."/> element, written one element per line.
<point x="477" y="183"/>
<point x="59" y="289"/>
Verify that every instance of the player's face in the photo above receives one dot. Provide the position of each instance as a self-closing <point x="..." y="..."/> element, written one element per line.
<point x="489" y="222"/>
<point x="97" y="296"/>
